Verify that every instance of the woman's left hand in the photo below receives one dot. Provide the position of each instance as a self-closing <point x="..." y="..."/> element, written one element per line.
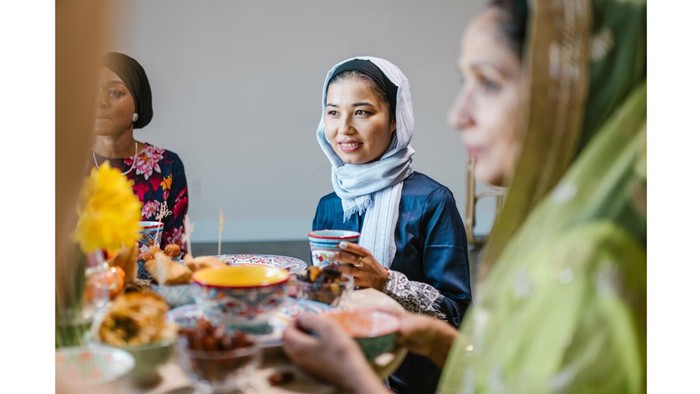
<point x="318" y="345"/>
<point x="359" y="262"/>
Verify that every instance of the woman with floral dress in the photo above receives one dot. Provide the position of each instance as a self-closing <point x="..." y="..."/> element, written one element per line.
<point x="158" y="175"/>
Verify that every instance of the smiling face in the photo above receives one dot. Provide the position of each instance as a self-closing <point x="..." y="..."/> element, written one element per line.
<point x="487" y="108"/>
<point x="115" y="105"/>
<point x="357" y="120"/>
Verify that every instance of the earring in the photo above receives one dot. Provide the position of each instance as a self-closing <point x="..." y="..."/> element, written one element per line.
<point x="134" y="117"/>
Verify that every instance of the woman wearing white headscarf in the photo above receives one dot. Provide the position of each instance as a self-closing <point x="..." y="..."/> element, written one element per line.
<point x="413" y="246"/>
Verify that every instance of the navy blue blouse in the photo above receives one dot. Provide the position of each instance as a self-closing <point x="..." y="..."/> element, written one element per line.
<point x="430" y="271"/>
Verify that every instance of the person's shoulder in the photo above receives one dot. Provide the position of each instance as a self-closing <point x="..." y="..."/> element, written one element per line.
<point x="419" y="183"/>
<point x="168" y="155"/>
<point x="330" y="198"/>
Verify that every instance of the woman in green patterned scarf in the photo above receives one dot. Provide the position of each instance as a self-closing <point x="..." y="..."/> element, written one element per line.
<point x="561" y="306"/>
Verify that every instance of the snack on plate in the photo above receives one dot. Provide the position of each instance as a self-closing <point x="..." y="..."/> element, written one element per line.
<point x="145" y="256"/>
<point x="172" y="250"/>
<point x="201" y="262"/>
<point x="216" y="356"/>
<point x="167" y="272"/>
<point x="136" y="319"/>
<point x="126" y="259"/>
<point x="204" y="336"/>
<point x="326" y="285"/>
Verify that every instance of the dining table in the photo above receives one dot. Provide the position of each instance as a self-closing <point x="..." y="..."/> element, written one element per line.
<point x="173" y="379"/>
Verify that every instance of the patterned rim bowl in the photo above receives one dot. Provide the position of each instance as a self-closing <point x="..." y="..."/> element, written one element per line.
<point x="242" y="296"/>
<point x="175" y="295"/>
<point x="147" y="358"/>
<point x="92" y="366"/>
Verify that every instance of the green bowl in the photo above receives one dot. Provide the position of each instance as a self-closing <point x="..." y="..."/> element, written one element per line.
<point x="148" y="357"/>
<point x="376" y="346"/>
<point x="374" y="331"/>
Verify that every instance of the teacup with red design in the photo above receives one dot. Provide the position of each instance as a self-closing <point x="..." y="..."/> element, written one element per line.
<point x="324" y="245"/>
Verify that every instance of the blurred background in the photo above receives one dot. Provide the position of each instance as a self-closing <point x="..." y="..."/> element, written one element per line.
<point x="237" y="92"/>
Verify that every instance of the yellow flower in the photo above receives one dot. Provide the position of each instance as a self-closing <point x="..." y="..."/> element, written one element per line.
<point x="167" y="182"/>
<point x="108" y="213"/>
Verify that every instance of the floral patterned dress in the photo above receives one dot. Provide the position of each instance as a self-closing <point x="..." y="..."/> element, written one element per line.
<point x="160" y="184"/>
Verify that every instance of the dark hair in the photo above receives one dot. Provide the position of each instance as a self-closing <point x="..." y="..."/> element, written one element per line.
<point x="513" y="22"/>
<point x="366" y="71"/>
<point x="372" y="85"/>
<point x="136" y="81"/>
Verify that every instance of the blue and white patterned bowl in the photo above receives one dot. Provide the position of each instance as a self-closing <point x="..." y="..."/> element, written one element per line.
<point x="240" y="296"/>
<point x="324" y="244"/>
<point x="175" y="295"/>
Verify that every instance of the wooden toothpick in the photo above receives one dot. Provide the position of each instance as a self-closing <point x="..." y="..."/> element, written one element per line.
<point x="189" y="228"/>
<point x="221" y="228"/>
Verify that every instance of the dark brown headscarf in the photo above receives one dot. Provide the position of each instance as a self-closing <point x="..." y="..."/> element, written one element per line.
<point x="135" y="79"/>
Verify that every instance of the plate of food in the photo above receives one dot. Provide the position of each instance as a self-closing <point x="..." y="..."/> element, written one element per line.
<point x="269" y="337"/>
<point x="291" y="264"/>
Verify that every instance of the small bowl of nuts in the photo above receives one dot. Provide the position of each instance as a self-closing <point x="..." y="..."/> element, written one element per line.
<point x="217" y="360"/>
<point x="326" y="285"/>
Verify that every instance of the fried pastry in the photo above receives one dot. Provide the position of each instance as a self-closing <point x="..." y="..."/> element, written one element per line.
<point x="136" y="319"/>
<point x="198" y="263"/>
<point x="167" y="272"/>
<point x="126" y="259"/>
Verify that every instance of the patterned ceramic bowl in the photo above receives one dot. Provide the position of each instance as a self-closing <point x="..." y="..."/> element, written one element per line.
<point x="240" y="296"/>
<point x="375" y="331"/>
<point x="324" y="244"/>
<point x="93" y="367"/>
<point x="147" y="358"/>
<point x="175" y="295"/>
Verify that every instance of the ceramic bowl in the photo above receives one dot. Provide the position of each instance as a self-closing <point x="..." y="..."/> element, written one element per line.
<point x="241" y="296"/>
<point x="147" y="358"/>
<point x="324" y="244"/>
<point x="150" y="234"/>
<point x="175" y="295"/>
<point x="93" y="367"/>
<point x="375" y="331"/>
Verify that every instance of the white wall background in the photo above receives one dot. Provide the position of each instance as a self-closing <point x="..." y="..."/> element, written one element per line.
<point x="237" y="89"/>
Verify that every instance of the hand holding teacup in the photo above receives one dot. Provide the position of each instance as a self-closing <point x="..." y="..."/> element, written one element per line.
<point x="358" y="262"/>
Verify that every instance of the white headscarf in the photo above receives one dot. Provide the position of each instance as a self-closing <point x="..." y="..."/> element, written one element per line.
<point x="375" y="188"/>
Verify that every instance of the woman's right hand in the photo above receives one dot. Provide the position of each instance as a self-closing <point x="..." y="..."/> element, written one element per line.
<point x="424" y="335"/>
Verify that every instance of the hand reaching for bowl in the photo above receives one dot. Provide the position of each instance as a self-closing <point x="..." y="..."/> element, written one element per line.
<point x="318" y="345"/>
<point x="359" y="262"/>
<point x="424" y="335"/>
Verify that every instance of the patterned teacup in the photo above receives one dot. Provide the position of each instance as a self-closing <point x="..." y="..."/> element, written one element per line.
<point x="150" y="234"/>
<point x="324" y="244"/>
